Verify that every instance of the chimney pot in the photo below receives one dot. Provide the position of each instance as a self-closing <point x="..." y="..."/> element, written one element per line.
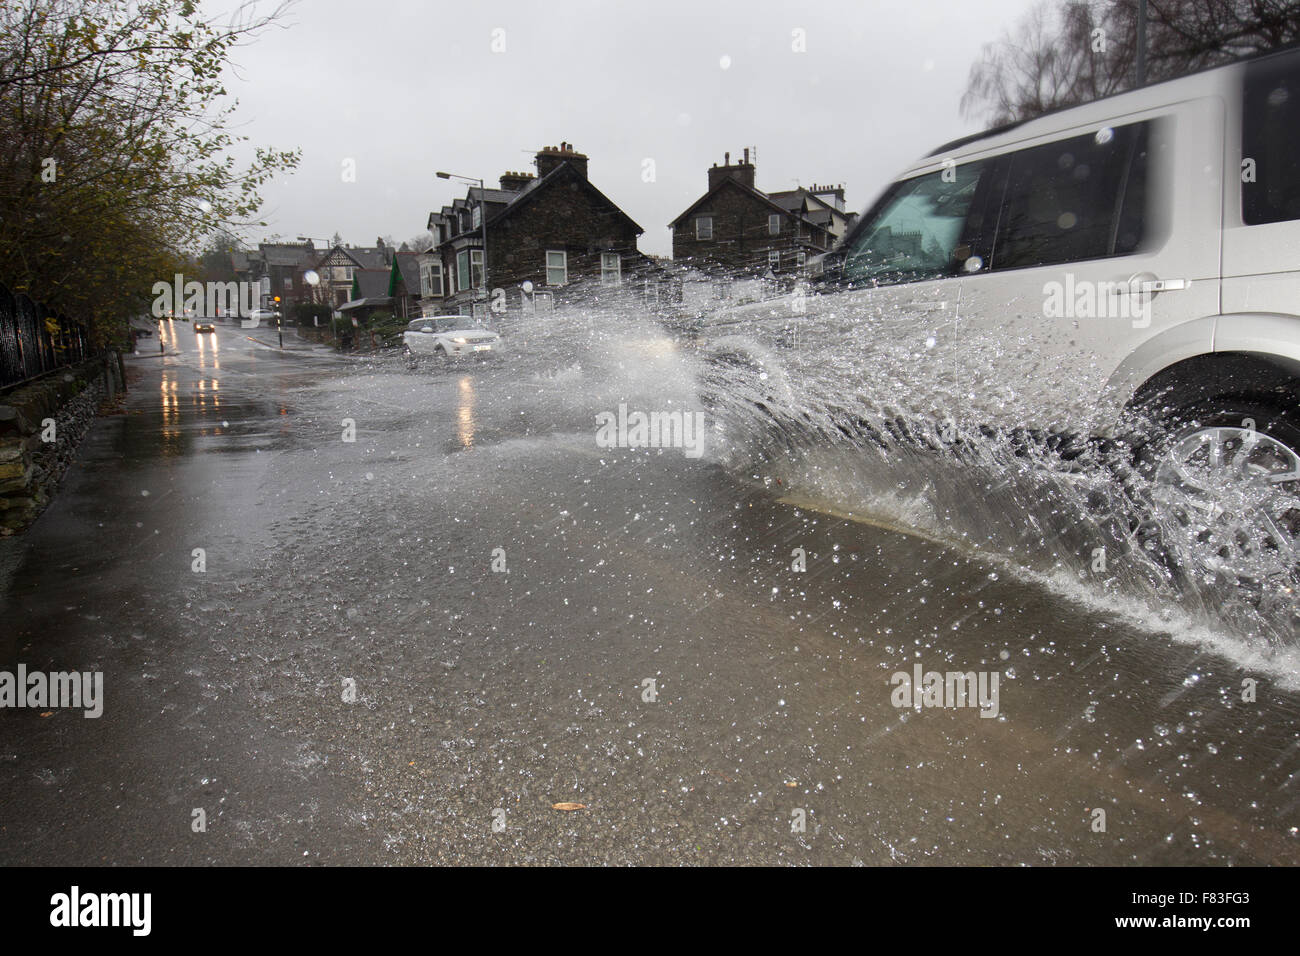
<point x="550" y="158"/>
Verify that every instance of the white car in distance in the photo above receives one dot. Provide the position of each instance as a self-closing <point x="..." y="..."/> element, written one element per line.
<point x="449" y="337"/>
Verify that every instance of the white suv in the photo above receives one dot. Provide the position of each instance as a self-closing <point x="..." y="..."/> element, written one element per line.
<point x="1131" y="262"/>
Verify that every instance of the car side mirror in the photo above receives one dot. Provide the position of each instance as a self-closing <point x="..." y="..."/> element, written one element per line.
<point x="427" y="328"/>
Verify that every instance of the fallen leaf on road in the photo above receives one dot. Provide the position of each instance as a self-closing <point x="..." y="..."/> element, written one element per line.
<point x="792" y="783"/>
<point x="48" y="713"/>
<point x="568" y="806"/>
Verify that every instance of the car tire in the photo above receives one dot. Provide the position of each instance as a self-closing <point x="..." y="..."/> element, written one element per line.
<point x="1221" y="477"/>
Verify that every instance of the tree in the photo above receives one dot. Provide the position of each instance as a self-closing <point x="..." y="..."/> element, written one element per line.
<point x="1068" y="52"/>
<point x="421" y="243"/>
<point x="215" y="263"/>
<point x="115" y="165"/>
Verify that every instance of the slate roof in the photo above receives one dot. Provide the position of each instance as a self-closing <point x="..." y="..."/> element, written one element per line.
<point x="756" y="193"/>
<point x="372" y="302"/>
<point x="408" y="264"/>
<point x="372" y="283"/>
<point x="503" y="203"/>
<point x="556" y="175"/>
<point x="286" y="254"/>
<point x="367" y="257"/>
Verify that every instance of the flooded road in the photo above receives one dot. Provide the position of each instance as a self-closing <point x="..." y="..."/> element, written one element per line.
<point x="347" y="612"/>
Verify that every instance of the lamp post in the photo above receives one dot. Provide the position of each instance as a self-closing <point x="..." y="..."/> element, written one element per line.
<point x="482" y="215"/>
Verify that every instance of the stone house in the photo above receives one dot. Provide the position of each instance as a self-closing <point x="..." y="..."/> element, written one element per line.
<point x="553" y="230"/>
<point x="736" y="230"/>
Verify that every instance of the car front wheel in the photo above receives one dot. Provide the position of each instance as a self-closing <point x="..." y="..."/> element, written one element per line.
<point x="1225" y="482"/>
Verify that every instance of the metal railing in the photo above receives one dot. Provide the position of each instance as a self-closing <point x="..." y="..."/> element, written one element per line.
<point x="27" y="347"/>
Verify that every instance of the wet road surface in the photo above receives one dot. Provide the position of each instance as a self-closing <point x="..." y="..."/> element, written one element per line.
<point x="349" y="680"/>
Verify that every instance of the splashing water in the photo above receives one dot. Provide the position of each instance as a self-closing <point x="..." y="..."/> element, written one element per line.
<point x="857" y="419"/>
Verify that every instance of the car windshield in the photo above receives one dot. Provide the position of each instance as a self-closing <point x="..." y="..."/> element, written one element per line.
<point x="915" y="230"/>
<point x="453" y="322"/>
<point x="444" y="323"/>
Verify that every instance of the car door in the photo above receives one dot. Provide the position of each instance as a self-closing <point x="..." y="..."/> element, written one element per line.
<point x="892" y="334"/>
<point x="1105" y="250"/>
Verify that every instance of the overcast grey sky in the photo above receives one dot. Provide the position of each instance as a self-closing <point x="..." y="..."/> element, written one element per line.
<point x="408" y="87"/>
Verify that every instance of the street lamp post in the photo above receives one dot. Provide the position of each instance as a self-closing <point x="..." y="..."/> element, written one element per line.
<point x="482" y="215"/>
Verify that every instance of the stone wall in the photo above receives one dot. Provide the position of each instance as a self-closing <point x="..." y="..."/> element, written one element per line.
<point x="34" y="456"/>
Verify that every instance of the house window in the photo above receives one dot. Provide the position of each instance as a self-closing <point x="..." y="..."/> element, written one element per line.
<point x="801" y="260"/>
<point x="704" y="227"/>
<point x="476" y="267"/>
<point x="431" y="279"/>
<point x="478" y="216"/>
<point x="462" y="270"/>
<point x="774" y="260"/>
<point x="610" y="269"/>
<point x="557" y="267"/>
<point x="774" y="224"/>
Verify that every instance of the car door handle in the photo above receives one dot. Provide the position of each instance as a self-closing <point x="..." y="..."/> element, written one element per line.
<point x="1162" y="285"/>
<point x="1142" y="285"/>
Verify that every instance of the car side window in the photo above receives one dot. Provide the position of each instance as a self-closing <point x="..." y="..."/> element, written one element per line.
<point x="915" y="231"/>
<point x="1270" y="141"/>
<point x="1076" y="199"/>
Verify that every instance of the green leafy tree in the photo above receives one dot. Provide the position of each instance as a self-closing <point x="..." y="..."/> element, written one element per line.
<point x="117" y="162"/>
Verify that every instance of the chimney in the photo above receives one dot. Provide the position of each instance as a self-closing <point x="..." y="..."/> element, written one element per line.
<point x="513" y="182"/>
<point x="742" y="172"/>
<point x="831" y="194"/>
<point x="550" y="158"/>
